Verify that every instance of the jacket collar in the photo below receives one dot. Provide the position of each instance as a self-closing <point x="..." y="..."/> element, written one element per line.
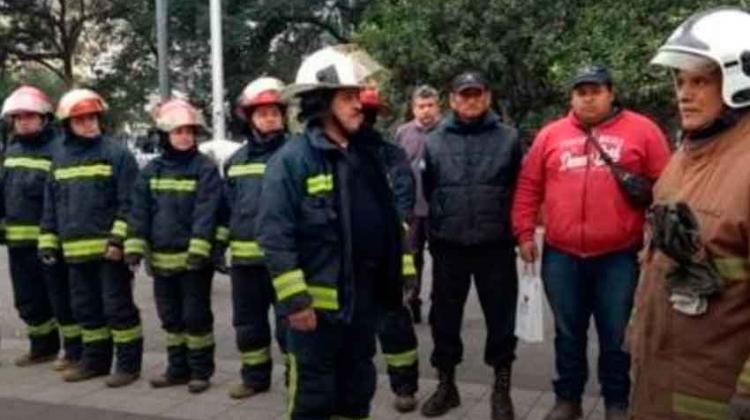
<point x="256" y="146"/>
<point x="453" y="123"/>
<point x="318" y="138"/>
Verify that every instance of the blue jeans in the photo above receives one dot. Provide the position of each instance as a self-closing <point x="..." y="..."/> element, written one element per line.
<point x="577" y="288"/>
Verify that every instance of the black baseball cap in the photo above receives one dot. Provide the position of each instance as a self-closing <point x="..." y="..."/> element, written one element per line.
<point x="591" y="74"/>
<point x="469" y="80"/>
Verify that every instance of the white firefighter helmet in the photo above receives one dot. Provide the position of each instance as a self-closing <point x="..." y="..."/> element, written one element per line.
<point x="79" y="102"/>
<point x="26" y="99"/>
<point x="176" y="113"/>
<point x="719" y="37"/>
<point x="336" y="67"/>
<point x="262" y="91"/>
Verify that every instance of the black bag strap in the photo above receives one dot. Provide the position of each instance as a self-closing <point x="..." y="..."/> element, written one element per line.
<point x="607" y="158"/>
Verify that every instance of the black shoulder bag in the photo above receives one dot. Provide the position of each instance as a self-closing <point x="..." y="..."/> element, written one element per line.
<point x="637" y="188"/>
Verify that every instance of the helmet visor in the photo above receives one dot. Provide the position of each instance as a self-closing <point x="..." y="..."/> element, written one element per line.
<point x="682" y="60"/>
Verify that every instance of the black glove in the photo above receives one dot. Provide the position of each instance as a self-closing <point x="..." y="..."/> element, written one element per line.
<point x="219" y="260"/>
<point x="48" y="257"/>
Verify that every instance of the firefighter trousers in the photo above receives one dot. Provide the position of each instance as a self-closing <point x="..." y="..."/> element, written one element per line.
<point x="102" y="302"/>
<point x="398" y="343"/>
<point x="58" y="285"/>
<point x="183" y="301"/>
<point x="32" y="301"/>
<point x="252" y="297"/>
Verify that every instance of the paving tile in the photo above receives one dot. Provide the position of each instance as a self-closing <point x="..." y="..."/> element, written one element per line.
<point x="195" y="410"/>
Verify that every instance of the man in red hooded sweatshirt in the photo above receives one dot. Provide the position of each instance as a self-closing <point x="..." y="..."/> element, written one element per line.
<point x="592" y="232"/>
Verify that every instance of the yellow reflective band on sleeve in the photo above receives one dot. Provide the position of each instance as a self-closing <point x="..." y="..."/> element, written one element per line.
<point x="699" y="407"/>
<point x="84" y="247"/>
<point x="85" y="171"/>
<point x="319" y="184"/>
<point x="135" y="246"/>
<point x="119" y="228"/>
<point x="99" y="334"/>
<point x="169" y="261"/>
<point x="222" y="234"/>
<point x="70" y="331"/>
<point x="289" y="283"/>
<point x="199" y="247"/>
<point x="257" y="357"/>
<point x="250" y="169"/>
<point x="28" y="163"/>
<point x="733" y="269"/>
<point x="127" y="336"/>
<point x="172" y="184"/>
<point x="743" y="383"/>
<point x="21" y="233"/>
<point x="48" y="241"/>
<point x="326" y="298"/>
<point x="407" y="358"/>
<point x="42" y="329"/>
<point x="407" y="265"/>
<point x="200" y="342"/>
<point x="176" y="339"/>
<point x="245" y="249"/>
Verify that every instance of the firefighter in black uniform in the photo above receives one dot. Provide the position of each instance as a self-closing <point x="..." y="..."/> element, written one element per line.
<point x="395" y="327"/>
<point x="87" y="198"/>
<point x="174" y="212"/>
<point x="40" y="292"/>
<point x="331" y="236"/>
<point x="262" y="109"/>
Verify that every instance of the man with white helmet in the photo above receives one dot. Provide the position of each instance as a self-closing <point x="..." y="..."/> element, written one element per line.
<point x="40" y="292"/>
<point x="689" y="329"/>
<point x="175" y="202"/>
<point x="262" y="111"/>
<point x="86" y="204"/>
<point x="332" y="241"/>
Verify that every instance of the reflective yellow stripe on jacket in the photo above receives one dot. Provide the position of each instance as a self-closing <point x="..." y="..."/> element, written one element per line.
<point x="250" y="169"/>
<point x="320" y="184"/>
<point x="245" y="249"/>
<point x="21" y="233"/>
<point x="28" y="163"/>
<point x="83" y="171"/>
<point x="289" y="284"/>
<point x="84" y="247"/>
<point x="172" y="184"/>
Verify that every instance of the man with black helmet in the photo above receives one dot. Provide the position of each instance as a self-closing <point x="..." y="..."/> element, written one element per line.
<point x="332" y="240"/>
<point x="471" y="164"/>
<point x="40" y="292"/>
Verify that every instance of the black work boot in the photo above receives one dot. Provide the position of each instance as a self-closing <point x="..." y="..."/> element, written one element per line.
<point x="445" y="396"/>
<point x="565" y="410"/>
<point x="500" y="403"/>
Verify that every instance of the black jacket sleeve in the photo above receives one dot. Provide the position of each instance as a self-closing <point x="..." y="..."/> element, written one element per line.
<point x="277" y="223"/>
<point x="139" y="220"/>
<point x="125" y="171"/>
<point x="207" y="198"/>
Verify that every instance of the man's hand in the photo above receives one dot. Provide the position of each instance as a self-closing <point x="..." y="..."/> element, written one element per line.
<point x="304" y="320"/>
<point x="133" y="262"/>
<point x="113" y="253"/>
<point x="529" y="252"/>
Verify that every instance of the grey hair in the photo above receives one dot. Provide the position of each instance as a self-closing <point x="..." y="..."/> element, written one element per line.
<point x="425" y="92"/>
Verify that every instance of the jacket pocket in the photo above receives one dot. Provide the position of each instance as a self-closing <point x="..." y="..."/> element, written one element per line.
<point x="318" y="219"/>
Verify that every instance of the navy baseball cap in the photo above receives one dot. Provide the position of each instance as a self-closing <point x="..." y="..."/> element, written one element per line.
<point x="469" y="80"/>
<point x="598" y="75"/>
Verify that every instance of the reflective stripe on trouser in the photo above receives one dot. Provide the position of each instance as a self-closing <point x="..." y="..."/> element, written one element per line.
<point x="399" y="345"/>
<point x="183" y="302"/>
<point x="32" y="301"/>
<point x="252" y="297"/>
<point x="58" y="287"/>
<point x="331" y="368"/>
<point x="102" y="302"/>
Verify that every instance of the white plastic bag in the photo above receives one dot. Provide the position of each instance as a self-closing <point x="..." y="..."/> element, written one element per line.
<point x="529" y="309"/>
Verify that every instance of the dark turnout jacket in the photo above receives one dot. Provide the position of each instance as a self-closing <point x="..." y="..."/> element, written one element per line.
<point x="87" y="197"/>
<point x="175" y="205"/>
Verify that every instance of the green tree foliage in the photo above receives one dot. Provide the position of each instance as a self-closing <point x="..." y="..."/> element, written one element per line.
<point x="528" y="49"/>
